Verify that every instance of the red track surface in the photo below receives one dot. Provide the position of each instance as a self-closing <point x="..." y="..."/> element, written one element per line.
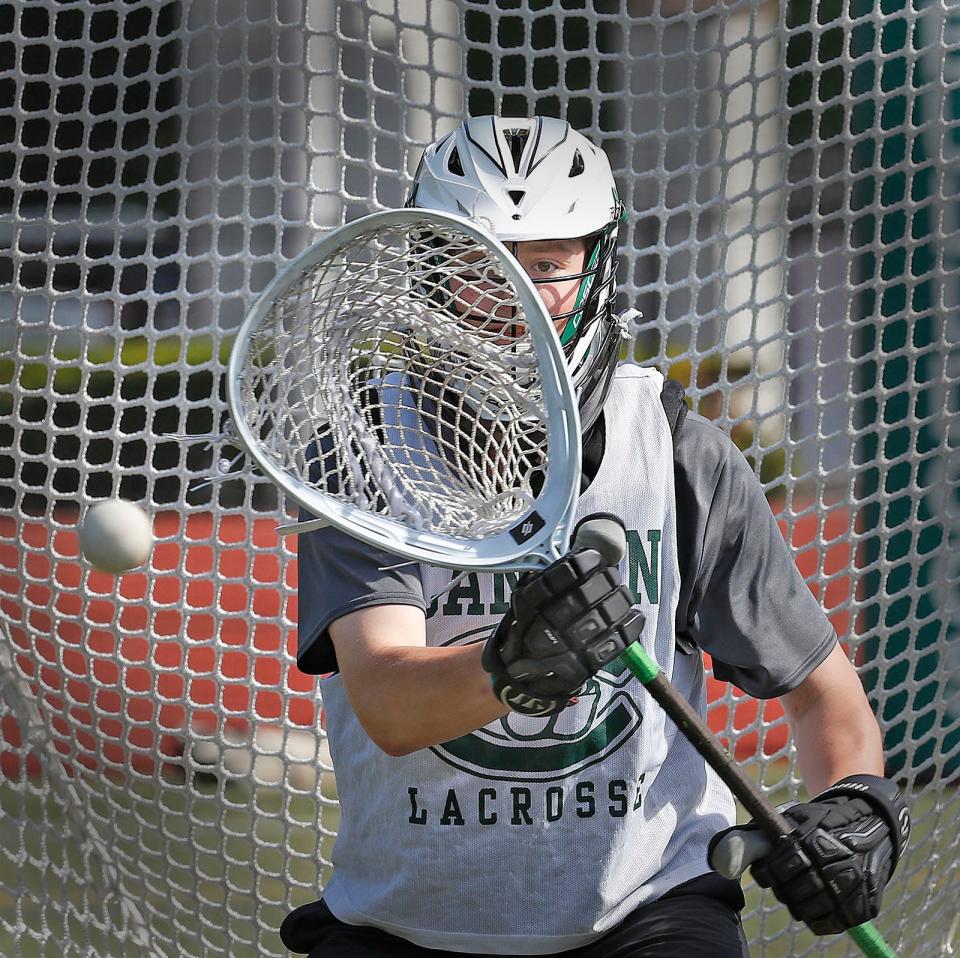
<point x="136" y="658"/>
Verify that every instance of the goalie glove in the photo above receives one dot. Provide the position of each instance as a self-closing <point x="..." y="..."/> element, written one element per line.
<point x="832" y="868"/>
<point x="565" y="623"/>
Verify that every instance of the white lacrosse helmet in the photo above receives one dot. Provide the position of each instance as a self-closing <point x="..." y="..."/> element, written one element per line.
<point x="539" y="179"/>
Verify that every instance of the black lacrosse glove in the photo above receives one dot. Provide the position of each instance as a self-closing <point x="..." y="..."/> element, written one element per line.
<point x="846" y="842"/>
<point x="565" y="623"/>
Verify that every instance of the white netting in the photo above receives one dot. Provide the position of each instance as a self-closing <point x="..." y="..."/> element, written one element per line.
<point x="792" y="196"/>
<point x="397" y="376"/>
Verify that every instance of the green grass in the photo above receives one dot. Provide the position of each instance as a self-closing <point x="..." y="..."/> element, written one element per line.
<point x="222" y="878"/>
<point x="220" y="887"/>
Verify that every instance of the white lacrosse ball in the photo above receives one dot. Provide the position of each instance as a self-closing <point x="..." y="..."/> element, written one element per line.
<point x="115" y="536"/>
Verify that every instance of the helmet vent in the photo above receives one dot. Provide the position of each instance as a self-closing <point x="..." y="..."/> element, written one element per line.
<point x="453" y="163"/>
<point x="516" y="140"/>
<point x="576" y="167"/>
<point x="517" y="196"/>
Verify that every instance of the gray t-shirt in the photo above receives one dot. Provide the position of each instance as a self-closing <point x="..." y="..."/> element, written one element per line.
<point x="742" y="599"/>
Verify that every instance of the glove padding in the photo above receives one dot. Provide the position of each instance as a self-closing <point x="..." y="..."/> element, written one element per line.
<point x="565" y="623"/>
<point x="832" y="868"/>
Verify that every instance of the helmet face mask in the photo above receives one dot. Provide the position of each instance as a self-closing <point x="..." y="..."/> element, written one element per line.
<point x="537" y="179"/>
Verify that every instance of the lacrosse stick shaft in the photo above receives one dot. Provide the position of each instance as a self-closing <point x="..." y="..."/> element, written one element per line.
<point x="696" y="731"/>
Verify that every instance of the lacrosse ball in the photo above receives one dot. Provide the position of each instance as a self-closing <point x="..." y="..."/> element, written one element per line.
<point x="115" y="536"/>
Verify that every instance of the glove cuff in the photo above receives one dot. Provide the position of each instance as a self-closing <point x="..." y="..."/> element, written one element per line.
<point x="514" y="696"/>
<point x="527" y="703"/>
<point x="884" y="797"/>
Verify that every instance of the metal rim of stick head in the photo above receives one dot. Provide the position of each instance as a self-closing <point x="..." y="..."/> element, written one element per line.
<point x="403" y="381"/>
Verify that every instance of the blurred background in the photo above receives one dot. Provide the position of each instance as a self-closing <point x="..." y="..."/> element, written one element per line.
<point x="792" y="192"/>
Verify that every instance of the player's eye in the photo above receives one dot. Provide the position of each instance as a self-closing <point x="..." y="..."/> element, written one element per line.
<point x="543" y="267"/>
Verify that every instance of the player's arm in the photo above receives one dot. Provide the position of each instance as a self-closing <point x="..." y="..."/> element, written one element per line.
<point x="361" y="613"/>
<point x="408" y="696"/>
<point x="833" y="726"/>
<point x="564" y="624"/>
<point x="848" y="838"/>
<point x="745" y="602"/>
<point x="751" y="609"/>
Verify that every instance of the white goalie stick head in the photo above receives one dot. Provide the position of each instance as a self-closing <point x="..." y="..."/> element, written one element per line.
<point x="402" y="380"/>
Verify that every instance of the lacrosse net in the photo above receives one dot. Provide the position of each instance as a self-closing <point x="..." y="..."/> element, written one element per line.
<point x="790" y="181"/>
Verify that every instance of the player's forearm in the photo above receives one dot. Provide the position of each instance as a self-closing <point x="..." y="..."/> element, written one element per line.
<point x="408" y="696"/>
<point x="835" y="742"/>
<point x="833" y="725"/>
<point x="419" y="697"/>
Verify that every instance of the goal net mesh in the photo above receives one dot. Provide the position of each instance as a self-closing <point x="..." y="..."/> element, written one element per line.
<point x="792" y="193"/>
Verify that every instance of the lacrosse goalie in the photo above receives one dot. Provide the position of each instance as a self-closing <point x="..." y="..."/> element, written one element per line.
<point x="506" y="785"/>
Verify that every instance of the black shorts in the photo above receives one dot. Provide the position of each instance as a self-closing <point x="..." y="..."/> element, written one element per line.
<point x="699" y="919"/>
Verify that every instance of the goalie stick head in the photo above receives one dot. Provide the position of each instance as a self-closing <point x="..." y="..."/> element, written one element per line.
<point x="403" y="381"/>
<point x="539" y="179"/>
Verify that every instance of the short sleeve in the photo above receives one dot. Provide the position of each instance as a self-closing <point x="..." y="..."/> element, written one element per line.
<point x="743" y="599"/>
<point x="338" y="575"/>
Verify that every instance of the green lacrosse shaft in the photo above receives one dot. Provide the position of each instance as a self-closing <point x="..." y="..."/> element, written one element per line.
<point x="697" y="732"/>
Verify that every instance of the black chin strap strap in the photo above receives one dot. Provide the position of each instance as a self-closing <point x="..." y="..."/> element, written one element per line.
<point x="592" y="452"/>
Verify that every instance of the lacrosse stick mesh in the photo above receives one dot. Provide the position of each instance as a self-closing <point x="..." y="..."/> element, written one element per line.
<point x="397" y="375"/>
